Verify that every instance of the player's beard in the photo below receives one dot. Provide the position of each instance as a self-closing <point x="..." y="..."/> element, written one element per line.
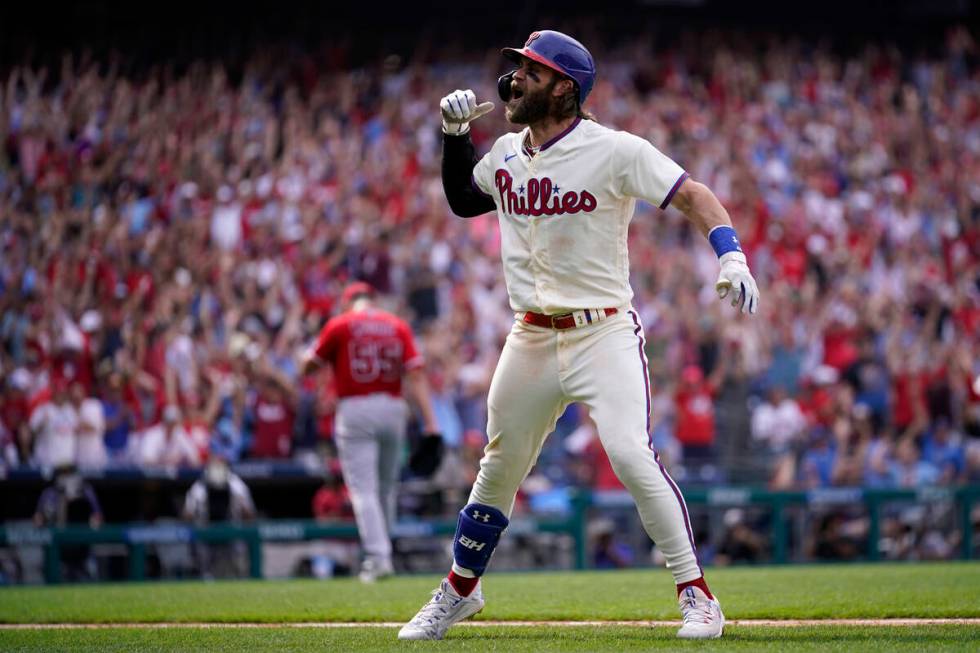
<point x="532" y="107"/>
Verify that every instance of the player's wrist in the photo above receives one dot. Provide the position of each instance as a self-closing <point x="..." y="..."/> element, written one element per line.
<point x="725" y="241"/>
<point x="455" y="128"/>
<point x="736" y="257"/>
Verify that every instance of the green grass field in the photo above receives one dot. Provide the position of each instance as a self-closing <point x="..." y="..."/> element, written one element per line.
<point x="505" y="639"/>
<point x="943" y="590"/>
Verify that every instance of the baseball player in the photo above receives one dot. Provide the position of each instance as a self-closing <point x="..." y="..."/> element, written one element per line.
<point x="564" y="189"/>
<point x="370" y="351"/>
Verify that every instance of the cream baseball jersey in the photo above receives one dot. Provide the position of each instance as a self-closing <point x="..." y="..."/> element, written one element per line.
<point x="564" y="213"/>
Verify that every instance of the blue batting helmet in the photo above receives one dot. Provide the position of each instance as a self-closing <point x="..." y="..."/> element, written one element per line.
<point x="561" y="53"/>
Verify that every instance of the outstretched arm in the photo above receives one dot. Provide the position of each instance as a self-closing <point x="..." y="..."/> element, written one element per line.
<point x="702" y="208"/>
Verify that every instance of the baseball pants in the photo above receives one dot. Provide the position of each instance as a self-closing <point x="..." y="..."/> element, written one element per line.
<point x="370" y="437"/>
<point x="603" y="366"/>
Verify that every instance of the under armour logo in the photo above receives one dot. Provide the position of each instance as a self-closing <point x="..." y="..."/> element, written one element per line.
<point x="484" y="516"/>
<point x="472" y="545"/>
<point x="533" y="36"/>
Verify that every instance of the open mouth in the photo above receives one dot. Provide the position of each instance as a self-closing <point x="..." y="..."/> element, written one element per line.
<point x="516" y="93"/>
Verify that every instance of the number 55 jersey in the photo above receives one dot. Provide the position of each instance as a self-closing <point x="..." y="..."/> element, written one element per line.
<point x="370" y="350"/>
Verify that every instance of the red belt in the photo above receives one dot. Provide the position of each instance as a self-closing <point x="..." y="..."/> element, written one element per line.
<point x="569" y="320"/>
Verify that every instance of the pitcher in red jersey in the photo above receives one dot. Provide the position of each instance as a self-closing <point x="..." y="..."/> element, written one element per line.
<point x="371" y="352"/>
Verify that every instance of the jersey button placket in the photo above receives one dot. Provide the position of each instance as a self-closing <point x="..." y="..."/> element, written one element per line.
<point x="540" y="252"/>
<point x="543" y="256"/>
<point x="537" y="271"/>
<point x="534" y="259"/>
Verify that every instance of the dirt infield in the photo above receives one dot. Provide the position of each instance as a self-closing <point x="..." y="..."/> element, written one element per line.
<point x="748" y="623"/>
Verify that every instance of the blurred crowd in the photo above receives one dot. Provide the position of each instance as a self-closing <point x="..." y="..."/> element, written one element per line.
<point x="170" y="241"/>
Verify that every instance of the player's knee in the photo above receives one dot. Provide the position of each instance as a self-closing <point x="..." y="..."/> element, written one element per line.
<point x="619" y="455"/>
<point x="627" y="464"/>
<point x="477" y="533"/>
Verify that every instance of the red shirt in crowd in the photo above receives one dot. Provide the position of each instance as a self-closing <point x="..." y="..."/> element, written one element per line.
<point x="15" y="410"/>
<point x="332" y="502"/>
<point x="908" y="398"/>
<point x="70" y="366"/>
<point x="273" y="428"/>
<point x="696" y="415"/>
<point x="792" y="262"/>
<point x="840" y="347"/>
<point x="369" y="351"/>
<point x="817" y="405"/>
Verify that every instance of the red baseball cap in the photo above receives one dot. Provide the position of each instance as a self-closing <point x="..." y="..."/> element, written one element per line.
<point x="355" y="289"/>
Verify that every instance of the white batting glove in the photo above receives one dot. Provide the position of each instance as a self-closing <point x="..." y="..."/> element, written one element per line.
<point x="459" y="108"/>
<point x="736" y="279"/>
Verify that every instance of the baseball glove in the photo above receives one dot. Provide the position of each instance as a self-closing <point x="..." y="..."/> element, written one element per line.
<point x="426" y="455"/>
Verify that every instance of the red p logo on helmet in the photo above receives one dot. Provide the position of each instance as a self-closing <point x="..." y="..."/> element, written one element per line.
<point x="531" y="38"/>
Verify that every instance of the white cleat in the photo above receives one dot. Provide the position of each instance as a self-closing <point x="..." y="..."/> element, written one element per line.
<point x="373" y="570"/>
<point x="445" y="609"/>
<point x="702" y="616"/>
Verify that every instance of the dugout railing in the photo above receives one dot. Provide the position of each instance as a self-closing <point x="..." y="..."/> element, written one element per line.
<point x="137" y="537"/>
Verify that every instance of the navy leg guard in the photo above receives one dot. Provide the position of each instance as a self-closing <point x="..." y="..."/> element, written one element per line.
<point x="477" y="533"/>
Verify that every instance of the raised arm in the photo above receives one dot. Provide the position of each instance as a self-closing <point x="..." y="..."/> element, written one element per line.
<point x="459" y="108"/>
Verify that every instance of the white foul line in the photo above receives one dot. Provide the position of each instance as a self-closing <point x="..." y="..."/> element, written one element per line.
<point x="747" y="623"/>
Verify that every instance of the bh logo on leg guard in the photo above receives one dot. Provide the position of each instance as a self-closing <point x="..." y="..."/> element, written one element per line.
<point x="477" y="533"/>
<point x="472" y="545"/>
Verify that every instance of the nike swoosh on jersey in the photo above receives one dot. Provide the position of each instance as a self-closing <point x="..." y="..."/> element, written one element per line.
<point x="508" y="157"/>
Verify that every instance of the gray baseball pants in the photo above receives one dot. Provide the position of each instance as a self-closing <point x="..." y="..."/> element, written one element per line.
<point x="370" y="437"/>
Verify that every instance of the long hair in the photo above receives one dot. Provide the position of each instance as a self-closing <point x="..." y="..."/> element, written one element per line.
<point x="568" y="105"/>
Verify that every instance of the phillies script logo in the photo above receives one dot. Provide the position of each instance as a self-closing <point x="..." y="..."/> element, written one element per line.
<point x="540" y="197"/>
